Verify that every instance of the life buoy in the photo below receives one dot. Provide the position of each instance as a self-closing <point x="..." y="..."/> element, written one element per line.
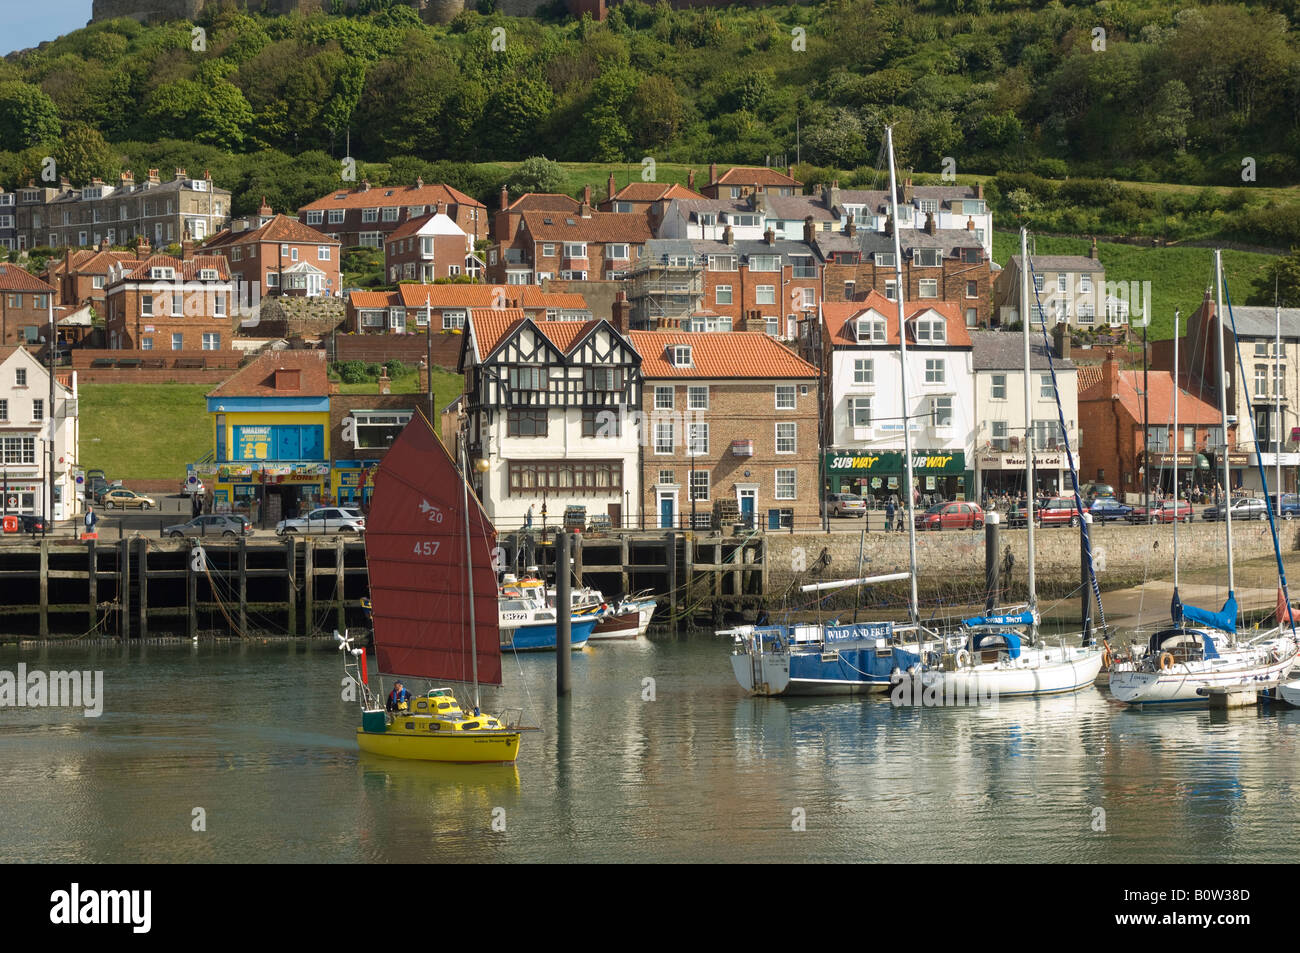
<point x="1166" y="661"/>
<point x="1106" y="657"/>
<point x="962" y="658"/>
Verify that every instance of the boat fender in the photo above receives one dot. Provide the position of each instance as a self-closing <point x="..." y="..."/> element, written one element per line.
<point x="962" y="658"/>
<point x="1106" y="658"/>
<point x="914" y="669"/>
<point x="1166" y="661"/>
<point x="895" y="676"/>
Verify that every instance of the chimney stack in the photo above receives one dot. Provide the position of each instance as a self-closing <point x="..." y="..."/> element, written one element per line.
<point x="505" y="198"/>
<point x="385" y="382"/>
<point x="103" y="245"/>
<point x="621" y="312"/>
<point x="713" y="172"/>
<point x="728" y="235"/>
<point x="365" y="185"/>
<point x="442" y="207"/>
<point x="690" y="180"/>
<point x="264" y="210"/>
<point x="611" y="188"/>
<point x="419" y="181"/>
<point x="187" y="247"/>
<point x="908" y="191"/>
<point x="852" y="228"/>
<point x="979" y="190"/>
<point x="769" y="236"/>
<point x="889" y="224"/>
<point x="929" y="223"/>
<point x="154" y="178"/>
<point x="585" y="209"/>
<point x="142" y="247"/>
<point x="808" y="229"/>
<point x="970" y="224"/>
<point x="180" y="174"/>
<point x="1110" y="371"/>
<point x="1092" y="253"/>
<point x="1061" y="340"/>
<point x="126" y="179"/>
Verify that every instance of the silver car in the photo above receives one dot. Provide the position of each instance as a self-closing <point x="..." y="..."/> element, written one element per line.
<point x="327" y="519"/>
<point x="211" y="525"/>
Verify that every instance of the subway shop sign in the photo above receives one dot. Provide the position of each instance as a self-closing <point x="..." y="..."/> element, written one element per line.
<point x="842" y="463"/>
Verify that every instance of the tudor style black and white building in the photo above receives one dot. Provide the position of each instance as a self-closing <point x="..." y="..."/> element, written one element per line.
<point x="554" y="408"/>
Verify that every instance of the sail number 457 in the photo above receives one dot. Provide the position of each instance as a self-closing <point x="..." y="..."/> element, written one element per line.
<point x="428" y="547"/>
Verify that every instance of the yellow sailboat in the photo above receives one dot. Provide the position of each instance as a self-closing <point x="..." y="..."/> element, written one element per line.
<point x="433" y="609"/>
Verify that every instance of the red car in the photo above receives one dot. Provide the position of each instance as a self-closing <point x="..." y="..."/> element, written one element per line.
<point x="951" y="516"/>
<point x="1057" y="511"/>
<point x="1162" y="513"/>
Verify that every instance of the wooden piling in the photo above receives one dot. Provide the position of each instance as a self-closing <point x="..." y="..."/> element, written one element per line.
<point x="92" y="585"/>
<point x="45" y="588"/>
<point x="191" y="589"/>
<point x="670" y="561"/>
<point x="243" y="586"/>
<point x="142" y="566"/>
<point x="623" y="561"/>
<point x="124" y="588"/>
<point x="308" y="584"/>
<point x="340" y="586"/>
<point x="291" y="594"/>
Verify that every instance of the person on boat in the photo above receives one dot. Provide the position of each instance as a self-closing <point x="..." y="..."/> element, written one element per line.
<point x="528" y="517"/>
<point x="398" y="698"/>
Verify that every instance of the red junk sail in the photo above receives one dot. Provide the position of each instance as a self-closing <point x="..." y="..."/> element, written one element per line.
<point x="415" y="547"/>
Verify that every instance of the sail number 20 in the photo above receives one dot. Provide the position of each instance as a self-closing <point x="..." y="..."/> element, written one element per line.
<point x="428" y="547"/>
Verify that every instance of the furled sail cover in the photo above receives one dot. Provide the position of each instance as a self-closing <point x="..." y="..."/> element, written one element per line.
<point x="415" y="547"/>
<point x="1019" y="618"/>
<point x="1225" y="620"/>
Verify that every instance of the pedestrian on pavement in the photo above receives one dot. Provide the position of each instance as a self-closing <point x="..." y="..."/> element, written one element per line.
<point x="889" y="515"/>
<point x="91" y="519"/>
<point x="528" y="518"/>
<point x="196" y="504"/>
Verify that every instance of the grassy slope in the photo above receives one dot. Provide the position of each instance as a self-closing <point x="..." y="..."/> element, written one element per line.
<point x="1178" y="276"/>
<point x="144" y="431"/>
<point x="151" y="431"/>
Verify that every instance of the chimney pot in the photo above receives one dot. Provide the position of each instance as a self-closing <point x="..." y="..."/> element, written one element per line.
<point x="728" y="235"/>
<point x="690" y="180"/>
<point x="769" y="236"/>
<point x="713" y="172"/>
<point x="505" y="198"/>
<point x="611" y="188"/>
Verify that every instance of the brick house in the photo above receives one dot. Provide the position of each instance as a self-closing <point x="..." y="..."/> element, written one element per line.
<point x="410" y="306"/>
<point x="8" y="220"/>
<point x="870" y="210"/>
<point x="1111" y="415"/>
<point x="727" y="417"/>
<point x="938" y="264"/>
<point x="166" y="303"/>
<point x="427" y="248"/>
<point x="574" y="246"/>
<point x="507" y="254"/>
<point x="280" y="255"/>
<point x="742" y="181"/>
<point x="765" y="285"/>
<point x="25" y="303"/>
<point x="80" y="277"/>
<point x="162" y="212"/>
<point x="650" y="199"/>
<point x="367" y="215"/>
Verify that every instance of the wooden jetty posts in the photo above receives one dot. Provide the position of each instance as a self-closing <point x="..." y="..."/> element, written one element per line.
<point x="141" y="586"/>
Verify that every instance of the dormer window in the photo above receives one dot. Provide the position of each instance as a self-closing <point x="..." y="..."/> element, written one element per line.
<point x="681" y="355"/>
<point x="871" y="330"/>
<point x="164" y="274"/>
<point x="198" y="185"/>
<point x="207" y="274"/>
<point x="930" y="331"/>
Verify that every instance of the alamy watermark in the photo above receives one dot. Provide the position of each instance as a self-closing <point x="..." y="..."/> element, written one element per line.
<point x="932" y="690"/>
<point x="39" y="689"/>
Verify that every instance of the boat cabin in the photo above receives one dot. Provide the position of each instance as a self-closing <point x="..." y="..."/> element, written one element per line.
<point x="1185" y="645"/>
<point x="990" y="647"/>
<point x="436" y="711"/>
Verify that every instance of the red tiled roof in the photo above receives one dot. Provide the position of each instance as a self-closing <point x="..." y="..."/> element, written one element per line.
<point x="654" y="191"/>
<point x="544" y="201"/>
<point x="1191" y="408"/>
<point x="486" y="296"/>
<point x="839" y="317"/>
<point x="258" y="378"/>
<point x="754" y="175"/>
<point x="377" y="196"/>
<point x="13" y="278"/>
<point x="599" y="227"/>
<point x="719" y="354"/>
<point x="370" y="299"/>
<point x="1088" y="375"/>
<point x="188" y="270"/>
<point x="281" y="228"/>
<point x="490" y="326"/>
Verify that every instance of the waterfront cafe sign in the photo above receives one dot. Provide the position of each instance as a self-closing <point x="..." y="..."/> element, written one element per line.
<point x="892" y="462"/>
<point x="1052" y="459"/>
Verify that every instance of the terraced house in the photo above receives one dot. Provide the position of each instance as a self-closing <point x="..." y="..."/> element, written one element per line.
<point x="25" y="303"/>
<point x="367" y="215"/>
<point x="550" y="406"/>
<point x="281" y="255"/>
<point x="412" y="306"/>
<point x="162" y="212"/>
<point x="166" y="303"/>
<point x="80" y="277"/>
<point x="731" y="430"/>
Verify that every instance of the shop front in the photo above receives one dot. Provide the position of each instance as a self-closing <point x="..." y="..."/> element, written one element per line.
<point x="1203" y="471"/>
<point x="940" y="474"/>
<point x="353" y="481"/>
<point x="997" y="473"/>
<point x="266" y="493"/>
<point x="22" y="496"/>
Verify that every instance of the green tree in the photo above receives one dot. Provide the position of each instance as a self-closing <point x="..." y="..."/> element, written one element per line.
<point x="1171" y="111"/>
<point x="1286" y="272"/>
<point x="536" y="174"/>
<point x="657" y="112"/>
<point x="28" y="117"/>
<point x="82" y="154"/>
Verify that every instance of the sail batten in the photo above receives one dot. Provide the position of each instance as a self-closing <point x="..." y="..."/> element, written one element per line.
<point x="417" y="556"/>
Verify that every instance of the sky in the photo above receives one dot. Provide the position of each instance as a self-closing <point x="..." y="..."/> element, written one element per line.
<point x="24" y="24"/>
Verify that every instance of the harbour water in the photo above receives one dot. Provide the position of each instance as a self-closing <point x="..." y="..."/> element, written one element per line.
<point x="683" y="768"/>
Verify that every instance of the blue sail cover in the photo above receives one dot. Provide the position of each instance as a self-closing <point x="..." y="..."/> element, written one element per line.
<point x="1020" y="618"/>
<point x="1224" y="620"/>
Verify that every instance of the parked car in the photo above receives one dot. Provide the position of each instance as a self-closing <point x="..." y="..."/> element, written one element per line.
<point x="191" y="486"/>
<point x="1242" y="508"/>
<point x="213" y="525"/>
<point x="27" y="523"/>
<point x="1090" y="491"/>
<point x="104" y="489"/>
<point x="327" y="519"/>
<point x="1107" y="508"/>
<point x="1290" y="504"/>
<point x="125" y="499"/>
<point x="1162" y="513"/>
<point x="951" y="516"/>
<point x="846" y="504"/>
<point x="1057" y="511"/>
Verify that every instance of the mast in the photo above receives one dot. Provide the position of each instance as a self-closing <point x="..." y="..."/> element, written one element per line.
<point x="1277" y="399"/>
<point x="1223" y="415"/>
<point x="1029" y="416"/>
<point x="469" y="557"/>
<point x="913" y="607"/>
<point x="1176" y="316"/>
